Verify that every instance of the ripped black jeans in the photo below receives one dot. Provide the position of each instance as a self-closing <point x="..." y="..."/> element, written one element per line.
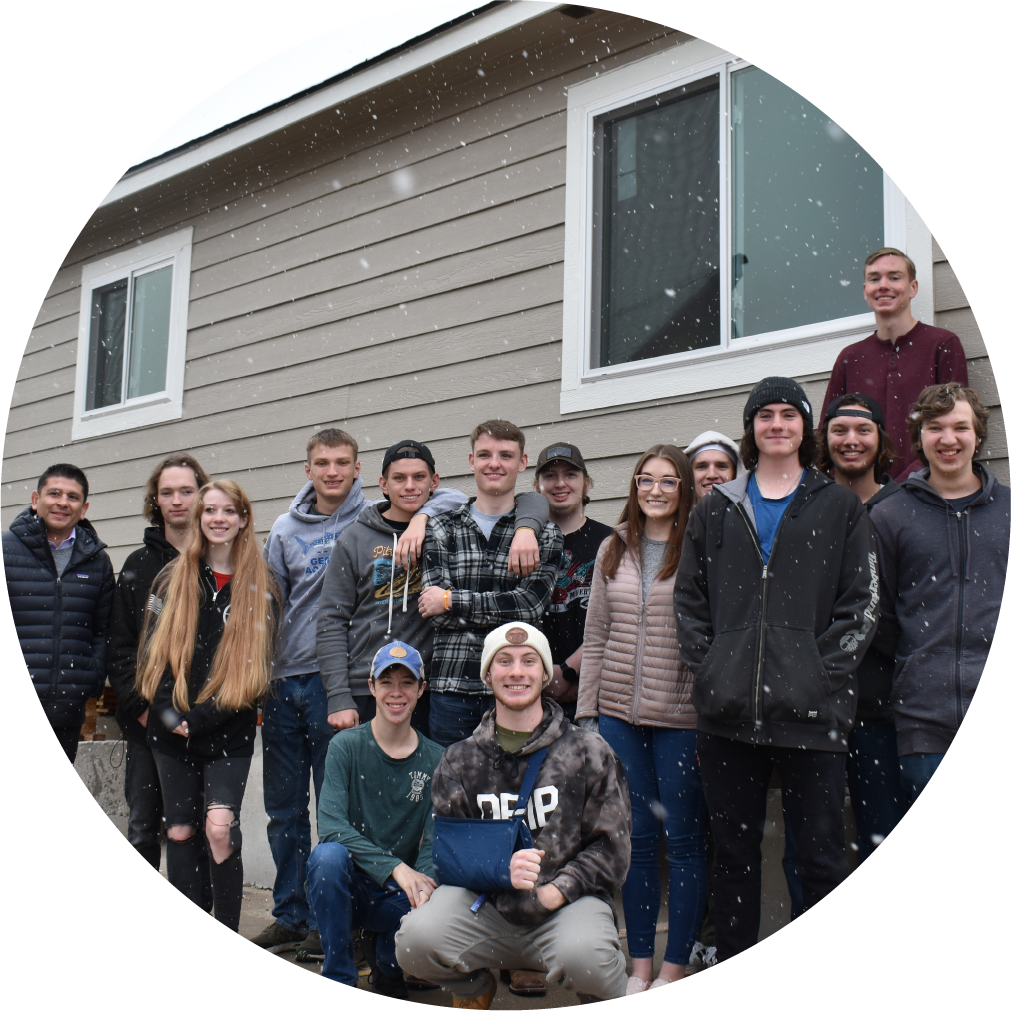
<point x="189" y="789"/>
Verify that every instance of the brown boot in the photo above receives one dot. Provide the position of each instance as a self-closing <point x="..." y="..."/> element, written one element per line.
<point x="527" y="983"/>
<point x="481" y="1003"/>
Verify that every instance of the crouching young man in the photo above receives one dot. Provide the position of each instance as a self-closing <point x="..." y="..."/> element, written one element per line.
<point x="373" y="864"/>
<point x="558" y="916"/>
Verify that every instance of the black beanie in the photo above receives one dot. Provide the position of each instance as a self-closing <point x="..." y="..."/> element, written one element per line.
<point x="778" y="390"/>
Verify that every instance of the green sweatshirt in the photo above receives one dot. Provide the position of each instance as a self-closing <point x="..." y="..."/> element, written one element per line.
<point x="379" y="808"/>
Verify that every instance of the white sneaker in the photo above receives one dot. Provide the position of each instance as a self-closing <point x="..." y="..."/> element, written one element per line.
<point x="658" y="982"/>
<point x="635" y="985"/>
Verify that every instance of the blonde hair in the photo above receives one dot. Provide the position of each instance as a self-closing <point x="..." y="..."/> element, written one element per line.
<point x="242" y="664"/>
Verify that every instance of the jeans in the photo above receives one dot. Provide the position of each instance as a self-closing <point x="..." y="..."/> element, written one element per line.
<point x="735" y="776"/>
<point x="915" y="772"/>
<point x="143" y="797"/>
<point x="666" y="792"/>
<point x="454" y="717"/>
<point x="345" y="899"/>
<point x="295" y="739"/>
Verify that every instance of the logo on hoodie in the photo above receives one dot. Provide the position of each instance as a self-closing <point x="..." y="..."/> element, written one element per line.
<point x="320" y="562"/>
<point x="499" y="805"/>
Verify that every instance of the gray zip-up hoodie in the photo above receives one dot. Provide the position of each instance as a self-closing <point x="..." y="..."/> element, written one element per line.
<point x="355" y="617"/>
<point x="298" y="550"/>
<point x="942" y="576"/>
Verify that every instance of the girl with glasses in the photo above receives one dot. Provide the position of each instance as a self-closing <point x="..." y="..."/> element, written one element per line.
<point x="637" y="692"/>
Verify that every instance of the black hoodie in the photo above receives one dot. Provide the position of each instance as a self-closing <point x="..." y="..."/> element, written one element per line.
<point x="61" y="621"/>
<point x="128" y="606"/>
<point x="942" y="574"/>
<point x="775" y="647"/>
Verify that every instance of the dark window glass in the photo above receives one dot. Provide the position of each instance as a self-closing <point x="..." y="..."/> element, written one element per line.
<point x="106" y="346"/>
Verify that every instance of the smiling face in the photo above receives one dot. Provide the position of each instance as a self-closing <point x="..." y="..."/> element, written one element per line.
<point x="711" y="468"/>
<point x="60" y="505"/>
<point x="496" y="463"/>
<point x="950" y="441"/>
<point x="177" y="487"/>
<point x="887" y="288"/>
<point x="396" y="692"/>
<point x="657" y="497"/>
<point x="564" y="486"/>
<point x="332" y="470"/>
<point x="516" y="677"/>
<point x="220" y="519"/>
<point x="408" y="484"/>
<point x="853" y="444"/>
<point x="779" y="430"/>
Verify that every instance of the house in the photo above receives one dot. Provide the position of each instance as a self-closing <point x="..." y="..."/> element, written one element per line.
<point x="595" y="226"/>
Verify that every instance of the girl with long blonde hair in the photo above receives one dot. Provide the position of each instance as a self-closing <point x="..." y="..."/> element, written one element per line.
<point x="205" y="661"/>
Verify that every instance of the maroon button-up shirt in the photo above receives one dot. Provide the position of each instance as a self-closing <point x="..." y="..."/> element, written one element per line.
<point x="895" y="377"/>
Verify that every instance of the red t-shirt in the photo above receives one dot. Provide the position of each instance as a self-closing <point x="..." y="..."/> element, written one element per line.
<point x="221" y="579"/>
<point x="896" y="376"/>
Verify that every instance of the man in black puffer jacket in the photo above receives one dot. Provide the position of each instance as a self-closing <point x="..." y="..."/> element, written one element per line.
<point x="168" y="496"/>
<point x="776" y="601"/>
<point x="60" y="583"/>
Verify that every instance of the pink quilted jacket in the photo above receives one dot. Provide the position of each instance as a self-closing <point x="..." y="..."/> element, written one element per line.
<point x="631" y="664"/>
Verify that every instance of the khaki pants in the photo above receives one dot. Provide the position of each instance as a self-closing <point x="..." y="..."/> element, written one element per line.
<point x="445" y="943"/>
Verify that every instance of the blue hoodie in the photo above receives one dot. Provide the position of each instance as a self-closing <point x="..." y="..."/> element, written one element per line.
<point x="298" y="550"/>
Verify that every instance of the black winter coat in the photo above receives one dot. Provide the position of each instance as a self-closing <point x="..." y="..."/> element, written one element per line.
<point x="62" y="621"/>
<point x="775" y="647"/>
<point x="213" y="733"/>
<point x="129" y="605"/>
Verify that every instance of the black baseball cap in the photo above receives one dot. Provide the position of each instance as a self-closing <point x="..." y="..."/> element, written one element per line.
<point x="408" y="449"/>
<point x="837" y="408"/>
<point x="563" y="451"/>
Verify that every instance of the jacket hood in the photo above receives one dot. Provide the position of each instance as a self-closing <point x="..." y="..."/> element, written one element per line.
<point x="717" y="440"/>
<point x="551" y="727"/>
<point x="737" y="490"/>
<point x="918" y="484"/>
<point x="299" y="508"/>
<point x="154" y="538"/>
<point x="374" y="519"/>
<point x="888" y="488"/>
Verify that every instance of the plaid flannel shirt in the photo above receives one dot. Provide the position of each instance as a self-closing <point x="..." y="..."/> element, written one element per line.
<point x="485" y="593"/>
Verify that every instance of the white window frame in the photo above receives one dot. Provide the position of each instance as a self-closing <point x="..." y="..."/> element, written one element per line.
<point x="175" y="249"/>
<point x="799" y="351"/>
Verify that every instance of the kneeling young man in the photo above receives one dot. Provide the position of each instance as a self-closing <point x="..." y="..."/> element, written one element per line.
<point x="373" y="863"/>
<point x="558" y="916"/>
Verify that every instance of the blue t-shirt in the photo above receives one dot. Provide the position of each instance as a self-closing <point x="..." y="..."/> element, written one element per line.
<point x="769" y="514"/>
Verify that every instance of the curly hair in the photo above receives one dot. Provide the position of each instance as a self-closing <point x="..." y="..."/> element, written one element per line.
<point x="936" y="401"/>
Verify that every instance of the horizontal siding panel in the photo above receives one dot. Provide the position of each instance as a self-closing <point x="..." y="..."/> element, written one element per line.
<point x="527" y="252"/>
<point x="981" y="379"/>
<point x="963" y="322"/>
<point x="439" y="243"/>
<point x="49" y="335"/>
<point x="355" y="190"/>
<point x="44" y="387"/>
<point x="413" y="224"/>
<point x="948" y="292"/>
<point x="935" y="249"/>
<point x="47" y="360"/>
<point x="67" y="303"/>
<point x="533" y="292"/>
<point x="56" y="411"/>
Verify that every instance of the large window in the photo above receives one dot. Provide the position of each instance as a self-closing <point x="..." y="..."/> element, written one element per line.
<point x="716" y="228"/>
<point x="132" y="337"/>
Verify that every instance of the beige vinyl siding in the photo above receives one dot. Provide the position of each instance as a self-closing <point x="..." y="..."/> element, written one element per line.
<point x="398" y="276"/>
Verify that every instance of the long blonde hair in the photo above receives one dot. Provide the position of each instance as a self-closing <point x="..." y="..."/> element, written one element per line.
<point x="242" y="665"/>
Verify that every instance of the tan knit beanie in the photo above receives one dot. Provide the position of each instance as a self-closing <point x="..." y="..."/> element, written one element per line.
<point x="516" y="633"/>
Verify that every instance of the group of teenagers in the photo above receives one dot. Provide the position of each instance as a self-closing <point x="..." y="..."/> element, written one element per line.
<point x="816" y="602"/>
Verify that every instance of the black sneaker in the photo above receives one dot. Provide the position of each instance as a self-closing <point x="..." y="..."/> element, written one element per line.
<point x="382" y="984"/>
<point x="277" y="937"/>
<point x="311" y="949"/>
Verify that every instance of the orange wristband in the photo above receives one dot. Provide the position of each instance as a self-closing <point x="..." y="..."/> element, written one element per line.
<point x="445" y="600"/>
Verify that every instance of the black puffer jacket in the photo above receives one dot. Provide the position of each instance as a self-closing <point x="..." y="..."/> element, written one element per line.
<point x="213" y="732"/>
<point x="129" y="604"/>
<point x="62" y="621"/>
<point x="775" y="647"/>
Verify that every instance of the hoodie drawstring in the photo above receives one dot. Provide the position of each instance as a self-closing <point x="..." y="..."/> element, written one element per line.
<point x="393" y="570"/>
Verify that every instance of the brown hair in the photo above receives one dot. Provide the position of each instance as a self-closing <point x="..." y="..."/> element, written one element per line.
<point x="936" y="401"/>
<point x="586" y="474"/>
<point x="808" y="452"/>
<point x="331" y="438"/>
<point x="505" y="431"/>
<point x="886" y="448"/>
<point x="241" y="669"/>
<point x="891" y="251"/>
<point x="151" y="511"/>
<point x="632" y="515"/>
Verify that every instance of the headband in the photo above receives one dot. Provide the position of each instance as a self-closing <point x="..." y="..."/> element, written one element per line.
<point x="846" y="412"/>
<point x="721" y="446"/>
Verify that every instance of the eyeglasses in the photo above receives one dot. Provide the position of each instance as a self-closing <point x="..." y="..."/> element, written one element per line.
<point x="644" y="482"/>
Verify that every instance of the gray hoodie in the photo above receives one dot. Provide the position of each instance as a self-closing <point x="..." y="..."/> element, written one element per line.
<point x="355" y="619"/>
<point x="298" y="550"/>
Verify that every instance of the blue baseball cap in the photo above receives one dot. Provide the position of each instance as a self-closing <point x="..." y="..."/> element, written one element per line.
<point x="401" y="653"/>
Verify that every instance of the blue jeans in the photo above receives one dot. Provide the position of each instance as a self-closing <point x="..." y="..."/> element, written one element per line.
<point x="345" y="899"/>
<point x="295" y="739"/>
<point x="454" y="717"/>
<point x="666" y="790"/>
<point x="915" y="772"/>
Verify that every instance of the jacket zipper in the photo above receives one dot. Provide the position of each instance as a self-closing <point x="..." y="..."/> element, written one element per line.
<point x="959" y="712"/>
<point x="636" y="680"/>
<point x="54" y="674"/>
